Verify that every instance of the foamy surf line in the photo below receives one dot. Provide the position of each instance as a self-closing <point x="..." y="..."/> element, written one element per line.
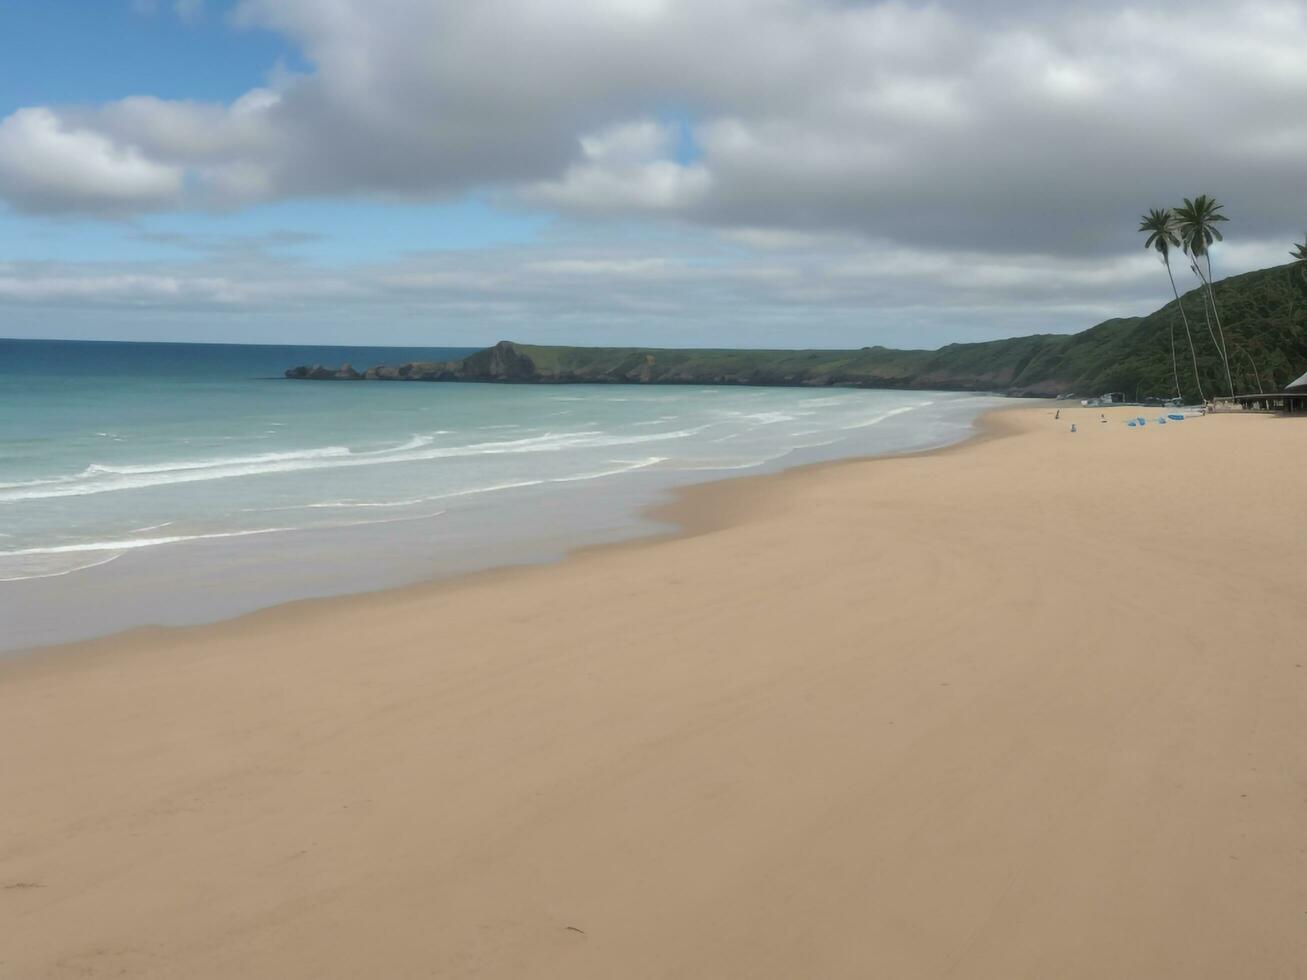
<point x="118" y="548"/>
<point x="100" y="478"/>
<point x="59" y="573"/>
<point x="130" y="544"/>
<point x="627" y="466"/>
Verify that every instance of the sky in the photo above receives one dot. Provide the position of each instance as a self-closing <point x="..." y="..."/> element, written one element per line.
<point x="750" y="173"/>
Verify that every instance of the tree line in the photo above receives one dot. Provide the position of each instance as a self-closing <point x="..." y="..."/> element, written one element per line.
<point x="1192" y="228"/>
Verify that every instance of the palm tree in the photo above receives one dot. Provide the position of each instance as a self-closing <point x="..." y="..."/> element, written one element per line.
<point x="1162" y="236"/>
<point x="1198" y="220"/>
<point x="1299" y="254"/>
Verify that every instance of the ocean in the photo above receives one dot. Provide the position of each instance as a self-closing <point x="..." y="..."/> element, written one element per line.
<point x="180" y="483"/>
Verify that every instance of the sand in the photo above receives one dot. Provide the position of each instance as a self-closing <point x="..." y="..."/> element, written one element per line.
<point x="1035" y="706"/>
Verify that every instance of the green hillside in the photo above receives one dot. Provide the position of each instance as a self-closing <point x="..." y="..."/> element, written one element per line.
<point x="1264" y="314"/>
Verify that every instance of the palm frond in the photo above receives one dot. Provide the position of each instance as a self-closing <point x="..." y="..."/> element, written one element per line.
<point x="1161" y="226"/>
<point x="1197" y="219"/>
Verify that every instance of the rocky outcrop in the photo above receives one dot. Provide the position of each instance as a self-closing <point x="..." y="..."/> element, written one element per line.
<point x="315" y="372"/>
<point x="503" y="362"/>
<point x="382" y="372"/>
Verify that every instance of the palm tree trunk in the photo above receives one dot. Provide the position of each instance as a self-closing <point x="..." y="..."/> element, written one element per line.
<point x="1207" y="312"/>
<point x="1225" y="356"/>
<point x="1192" y="353"/>
<point x="1256" y="373"/>
<point x="1175" y="365"/>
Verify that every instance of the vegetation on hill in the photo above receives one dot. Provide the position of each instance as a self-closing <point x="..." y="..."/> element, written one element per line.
<point x="1263" y="318"/>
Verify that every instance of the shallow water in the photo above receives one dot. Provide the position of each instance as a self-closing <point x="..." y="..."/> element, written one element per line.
<point x="145" y="483"/>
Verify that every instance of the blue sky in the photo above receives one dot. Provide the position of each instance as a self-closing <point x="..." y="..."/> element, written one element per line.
<point x="93" y="51"/>
<point x="796" y="172"/>
<point x="67" y="51"/>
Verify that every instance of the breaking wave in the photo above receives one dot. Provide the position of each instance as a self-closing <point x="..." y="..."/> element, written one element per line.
<point x="101" y="478"/>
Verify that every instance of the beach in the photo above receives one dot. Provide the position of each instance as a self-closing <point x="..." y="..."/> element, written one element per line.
<point x="1030" y="706"/>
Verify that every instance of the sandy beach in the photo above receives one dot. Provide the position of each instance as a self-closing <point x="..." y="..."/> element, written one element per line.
<point x="1033" y="706"/>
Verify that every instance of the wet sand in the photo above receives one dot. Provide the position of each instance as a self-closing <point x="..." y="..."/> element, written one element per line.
<point x="1034" y="706"/>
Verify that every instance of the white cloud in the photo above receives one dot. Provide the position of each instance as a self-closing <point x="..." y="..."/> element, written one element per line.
<point x="48" y="165"/>
<point x="1004" y="125"/>
<point x="625" y="168"/>
<point x="826" y="161"/>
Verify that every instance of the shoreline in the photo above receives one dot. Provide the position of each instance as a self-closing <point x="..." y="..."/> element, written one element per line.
<point x="677" y="514"/>
<point x="1028" y="705"/>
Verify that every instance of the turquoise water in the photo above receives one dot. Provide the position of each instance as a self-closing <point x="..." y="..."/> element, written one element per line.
<point x="118" y="457"/>
<point x="106" y="448"/>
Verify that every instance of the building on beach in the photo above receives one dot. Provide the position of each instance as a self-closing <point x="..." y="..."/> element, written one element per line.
<point x="1292" y="400"/>
<point x="1109" y="398"/>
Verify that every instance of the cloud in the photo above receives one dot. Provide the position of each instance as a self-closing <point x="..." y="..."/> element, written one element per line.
<point x="48" y="165"/>
<point x="692" y="290"/>
<point x="625" y="169"/>
<point x="1005" y="125"/>
<point x="846" y="168"/>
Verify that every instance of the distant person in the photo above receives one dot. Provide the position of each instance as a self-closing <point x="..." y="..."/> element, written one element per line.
<point x="1057" y="415"/>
